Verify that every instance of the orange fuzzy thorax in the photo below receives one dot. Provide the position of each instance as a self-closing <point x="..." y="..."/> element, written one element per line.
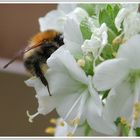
<point x="48" y="35"/>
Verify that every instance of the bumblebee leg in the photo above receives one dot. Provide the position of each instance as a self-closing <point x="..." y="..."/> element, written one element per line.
<point x="39" y="74"/>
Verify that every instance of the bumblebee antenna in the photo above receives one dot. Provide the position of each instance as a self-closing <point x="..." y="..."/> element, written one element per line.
<point x="11" y="61"/>
<point x="21" y="52"/>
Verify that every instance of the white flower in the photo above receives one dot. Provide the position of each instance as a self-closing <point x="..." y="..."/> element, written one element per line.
<point x="73" y="37"/>
<point x="131" y="20"/>
<point x="56" y="18"/>
<point x="46" y="102"/>
<point x="122" y="76"/>
<point x="74" y="40"/>
<point x="62" y="129"/>
<point x="72" y="91"/>
<point x="97" y="42"/>
<point x="69" y="81"/>
<point x="67" y="8"/>
<point x="78" y="14"/>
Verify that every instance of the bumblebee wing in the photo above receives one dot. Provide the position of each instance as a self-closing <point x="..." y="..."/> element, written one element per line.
<point x="20" y="53"/>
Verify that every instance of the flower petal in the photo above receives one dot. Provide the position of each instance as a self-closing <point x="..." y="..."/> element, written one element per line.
<point x="131" y="25"/>
<point x="120" y="17"/>
<point x="46" y="103"/>
<point x="119" y="103"/>
<point x="61" y="130"/>
<point x="57" y="18"/>
<point x="72" y="36"/>
<point x="78" y="14"/>
<point x="66" y="129"/>
<point x="64" y="75"/>
<point x="109" y="73"/>
<point x="70" y="106"/>
<point x="37" y="84"/>
<point x="66" y="8"/>
<point x="94" y="113"/>
<point x="96" y="121"/>
<point x="130" y="50"/>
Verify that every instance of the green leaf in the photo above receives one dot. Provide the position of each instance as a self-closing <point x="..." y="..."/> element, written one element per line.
<point x="87" y="129"/>
<point x="117" y="121"/>
<point x="78" y="56"/>
<point x="85" y="29"/>
<point x="107" y="15"/>
<point x="88" y="68"/>
<point x="125" y="130"/>
<point x="90" y="8"/>
<point x="137" y="130"/>
<point x="105" y="94"/>
<point x="111" y="35"/>
<point x="99" y="7"/>
<point x="107" y="52"/>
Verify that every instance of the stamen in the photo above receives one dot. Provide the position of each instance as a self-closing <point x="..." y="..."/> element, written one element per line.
<point x="137" y="106"/>
<point x="61" y="123"/>
<point x="77" y="121"/>
<point x="53" y="121"/>
<point x="71" y="109"/>
<point x="82" y="99"/>
<point x="70" y="134"/>
<point x="81" y="62"/>
<point x="50" y="130"/>
<point x="74" y="121"/>
<point x="136" y="115"/>
<point x="128" y="125"/>
<point x="123" y="120"/>
<point x="118" y="40"/>
<point x="135" y="111"/>
<point x="31" y="117"/>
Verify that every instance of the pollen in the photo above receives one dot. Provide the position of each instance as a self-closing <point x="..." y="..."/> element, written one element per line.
<point x="137" y="107"/>
<point x="77" y="121"/>
<point x="136" y="114"/>
<point x="70" y="134"/>
<point x="118" y="40"/>
<point x="123" y="120"/>
<point x="53" y="121"/>
<point x="61" y="123"/>
<point x="74" y="121"/>
<point x="81" y="62"/>
<point x="50" y="130"/>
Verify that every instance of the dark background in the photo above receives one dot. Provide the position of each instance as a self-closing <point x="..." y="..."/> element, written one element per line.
<point x="18" y="22"/>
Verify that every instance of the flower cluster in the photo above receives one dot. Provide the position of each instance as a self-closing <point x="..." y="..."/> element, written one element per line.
<point x="94" y="78"/>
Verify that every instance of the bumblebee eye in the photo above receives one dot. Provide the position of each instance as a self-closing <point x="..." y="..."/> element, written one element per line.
<point x="59" y="39"/>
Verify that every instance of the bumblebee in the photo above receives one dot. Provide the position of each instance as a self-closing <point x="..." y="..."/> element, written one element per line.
<point x="38" y="50"/>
